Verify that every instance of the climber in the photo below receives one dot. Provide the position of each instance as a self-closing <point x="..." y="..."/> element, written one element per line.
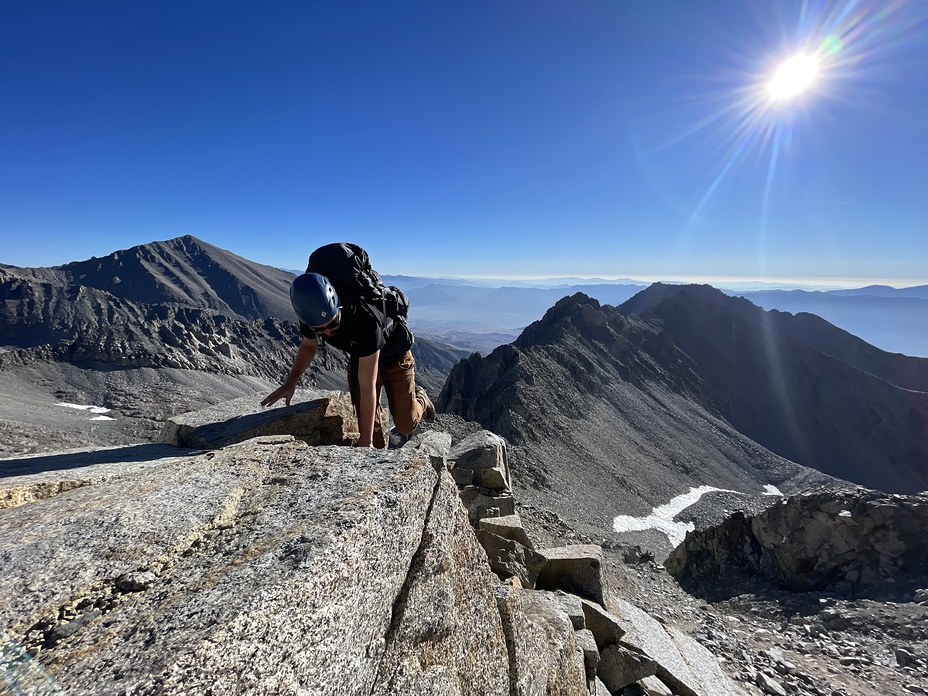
<point x="342" y="301"/>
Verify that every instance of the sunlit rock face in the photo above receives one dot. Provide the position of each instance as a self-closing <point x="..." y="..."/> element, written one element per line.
<point x="264" y="567"/>
<point x="271" y="566"/>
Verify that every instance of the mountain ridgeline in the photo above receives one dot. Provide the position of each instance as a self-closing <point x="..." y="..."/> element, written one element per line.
<point x="180" y="303"/>
<point x="802" y="387"/>
<point x="683" y="386"/>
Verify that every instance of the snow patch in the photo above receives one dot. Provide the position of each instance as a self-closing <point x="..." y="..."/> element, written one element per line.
<point x="89" y="409"/>
<point x="772" y="490"/>
<point x="661" y="518"/>
<point x="82" y="407"/>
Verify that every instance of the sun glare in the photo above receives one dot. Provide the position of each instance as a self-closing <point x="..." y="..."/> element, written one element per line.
<point x="793" y="77"/>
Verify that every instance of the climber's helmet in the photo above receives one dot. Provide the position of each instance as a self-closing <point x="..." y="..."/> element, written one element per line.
<point x="314" y="299"/>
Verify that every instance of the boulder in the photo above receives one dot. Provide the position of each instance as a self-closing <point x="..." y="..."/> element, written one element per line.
<point x="509" y="558"/>
<point x="480" y="505"/>
<point x="607" y="629"/>
<point x="544" y="653"/>
<point x="316" y="417"/>
<point x="681" y="663"/>
<point x="576" y="569"/>
<point x="573" y="605"/>
<point x="652" y="686"/>
<point x="264" y="567"/>
<point x="433" y="443"/>
<point x="485" y="454"/>
<point x="587" y="644"/>
<point x="509" y="527"/>
<point x="619" y="667"/>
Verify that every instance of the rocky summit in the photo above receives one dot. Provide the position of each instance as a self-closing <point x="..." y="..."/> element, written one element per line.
<point x="270" y="566"/>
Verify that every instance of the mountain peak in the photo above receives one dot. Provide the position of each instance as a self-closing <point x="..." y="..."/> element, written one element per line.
<point x="186" y="271"/>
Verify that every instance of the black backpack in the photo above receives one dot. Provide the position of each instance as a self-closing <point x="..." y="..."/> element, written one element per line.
<point x="348" y="268"/>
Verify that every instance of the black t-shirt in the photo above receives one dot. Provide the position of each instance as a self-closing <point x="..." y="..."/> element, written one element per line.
<point x="359" y="333"/>
<point x="363" y="331"/>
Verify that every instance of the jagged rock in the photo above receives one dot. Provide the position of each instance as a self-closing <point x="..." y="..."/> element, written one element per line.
<point x="587" y="643"/>
<point x="769" y="685"/>
<point x="904" y="657"/>
<point x="509" y="558"/>
<point x="508" y="527"/>
<point x="682" y="663"/>
<point x="278" y="568"/>
<point x="573" y="605"/>
<point x="599" y="689"/>
<point x="480" y="505"/>
<point x="484" y="453"/>
<point x="319" y="418"/>
<point x="433" y="443"/>
<point x="545" y="657"/>
<point x="704" y="675"/>
<point x="607" y="629"/>
<point x="448" y="588"/>
<point x="619" y="667"/>
<point x="576" y="569"/>
<point x="652" y="686"/>
<point x="849" y="542"/>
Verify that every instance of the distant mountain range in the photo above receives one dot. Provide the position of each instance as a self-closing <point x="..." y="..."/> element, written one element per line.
<point x="896" y="320"/>
<point x="482" y="315"/>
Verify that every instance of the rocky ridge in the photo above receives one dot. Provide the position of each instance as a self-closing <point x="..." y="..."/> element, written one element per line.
<point x="120" y="553"/>
<point x="608" y="417"/>
<point x="856" y="544"/>
<point x="270" y="566"/>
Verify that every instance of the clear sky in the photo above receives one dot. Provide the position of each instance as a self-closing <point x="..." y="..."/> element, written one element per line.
<point x="486" y="137"/>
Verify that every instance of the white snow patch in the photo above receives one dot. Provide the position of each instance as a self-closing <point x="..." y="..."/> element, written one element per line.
<point x="661" y="518"/>
<point x="772" y="490"/>
<point x="102" y="418"/>
<point x="82" y="407"/>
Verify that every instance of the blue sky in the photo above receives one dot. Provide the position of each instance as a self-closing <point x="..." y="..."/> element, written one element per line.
<point x="482" y="138"/>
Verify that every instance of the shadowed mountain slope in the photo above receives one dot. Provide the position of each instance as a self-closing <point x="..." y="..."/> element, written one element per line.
<point x="801" y="387"/>
<point x="609" y="418"/>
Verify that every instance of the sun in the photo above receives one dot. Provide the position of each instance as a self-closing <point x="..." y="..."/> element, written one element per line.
<point x="793" y="77"/>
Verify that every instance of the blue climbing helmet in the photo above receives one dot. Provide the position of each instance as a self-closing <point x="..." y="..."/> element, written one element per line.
<point x="314" y="299"/>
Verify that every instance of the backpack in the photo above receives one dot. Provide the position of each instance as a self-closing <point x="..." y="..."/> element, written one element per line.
<point x="348" y="268"/>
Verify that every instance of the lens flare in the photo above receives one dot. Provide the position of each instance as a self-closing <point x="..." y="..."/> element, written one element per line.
<point x="793" y="77"/>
